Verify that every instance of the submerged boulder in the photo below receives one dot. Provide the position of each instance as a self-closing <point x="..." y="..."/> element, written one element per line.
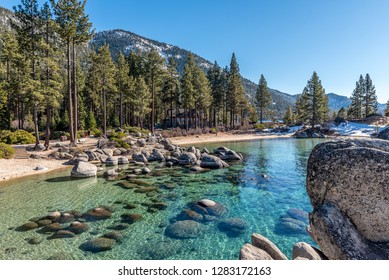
<point x="209" y="161"/>
<point x="83" y="170"/>
<point x="347" y="183"/>
<point x="98" y="245"/>
<point x="233" y="227"/>
<point x="184" y="229"/>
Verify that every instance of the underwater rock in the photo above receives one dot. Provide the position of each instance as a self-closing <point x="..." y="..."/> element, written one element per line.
<point x="35" y="240"/>
<point x="160" y="250"/>
<point x="60" y="256"/>
<point x="51" y="228"/>
<point x="131" y="218"/>
<point x="97" y="214"/>
<point x="119" y="227"/>
<point x="62" y="234"/>
<point x="233" y="227"/>
<point x="65" y="218"/>
<point x="98" y="245"/>
<point x="146" y="189"/>
<point x="78" y="227"/>
<point x="126" y="185"/>
<point x="27" y="226"/>
<point x="190" y="215"/>
<point x="115" y="235"/>
<point x="184" y="229"/>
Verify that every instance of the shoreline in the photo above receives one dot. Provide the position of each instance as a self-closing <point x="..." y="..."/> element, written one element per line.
<point x="13" y="169"/>
<point x="223" y="137"/>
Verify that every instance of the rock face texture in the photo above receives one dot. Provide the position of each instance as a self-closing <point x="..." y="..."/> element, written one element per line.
<point x="347" y="182"/>
<point x="384" y="134"/>
<point x="84" y="170"/>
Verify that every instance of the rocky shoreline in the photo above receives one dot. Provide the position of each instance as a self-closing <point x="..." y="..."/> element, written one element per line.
<point x="347" y="183"/>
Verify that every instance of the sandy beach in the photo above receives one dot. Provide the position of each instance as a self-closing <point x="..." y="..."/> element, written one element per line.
<point x="16" y="168"/>
<point x="222" y="137"/>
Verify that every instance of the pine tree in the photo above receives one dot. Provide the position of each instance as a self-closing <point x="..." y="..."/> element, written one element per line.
<point x="105" y="72"/>
<point x="187" y="89"/>
<point x="262" y="97"/>
<point x="27" y="29"/>
<point x="289" y="117"/>
<point x="235" y="91"/>
<point x="370" y="97"/>
<point x="312" y="105"/>
<point x="386" y="113"/>
<point x="10" y="53"/>
<point x="171" y="87"/>
<point x="50" y="80"/>
<point x="355" y="110"/>
<point x="217" y="82"/>
<point x="342" y="113"/>
<point x="202" y="96"/>
<point x="154" y="65"/>
<point x="142" y="104"/>
<point x="74" y="28"/>
<point x="122" y="83"/>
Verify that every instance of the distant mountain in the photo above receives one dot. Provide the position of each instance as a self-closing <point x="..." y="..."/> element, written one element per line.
<point x="125" y="41"/>
<point x="5" y="17"/>
<point x="335" y="101"/>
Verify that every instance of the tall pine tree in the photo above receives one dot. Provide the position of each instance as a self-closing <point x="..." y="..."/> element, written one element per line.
<point x="370" y="97"/>
<point x="235" y="92"/>
<point x="262" y="97"/>
<point x="312" y="105"/>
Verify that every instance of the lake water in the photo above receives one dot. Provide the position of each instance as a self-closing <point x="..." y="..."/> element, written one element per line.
<point x="263" y="203"/>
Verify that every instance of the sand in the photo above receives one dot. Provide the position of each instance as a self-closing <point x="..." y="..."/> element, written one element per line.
<point x="16" y="168"/>
<point x="223" y="137"/>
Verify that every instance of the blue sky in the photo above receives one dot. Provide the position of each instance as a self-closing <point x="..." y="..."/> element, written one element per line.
<point x="284" y="40"/>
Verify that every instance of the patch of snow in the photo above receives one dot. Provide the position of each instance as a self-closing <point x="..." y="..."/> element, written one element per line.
<point x="355" y="129"/>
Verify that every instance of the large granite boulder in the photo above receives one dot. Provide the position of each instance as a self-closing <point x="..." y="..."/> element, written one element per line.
<point x="209" y="161"/>
<point x="83" y="170"/>
<point x="98" y="245"/>
<point x="347" y="182"/>
<point x="250" y="252"/>
<point x="384" y="134"/>
<point x="187" y="158"/>
<point x="139" y="157"/>
<point x="304" y="250"/>
<point x="265" y="244"/>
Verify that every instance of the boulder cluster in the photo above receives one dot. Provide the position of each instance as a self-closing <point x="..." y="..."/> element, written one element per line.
<point x="144" y="151"/>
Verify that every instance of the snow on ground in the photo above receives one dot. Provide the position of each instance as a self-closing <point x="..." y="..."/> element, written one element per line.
<point x="355" y="129"/>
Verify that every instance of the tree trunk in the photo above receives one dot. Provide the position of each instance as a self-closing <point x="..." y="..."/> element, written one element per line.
<point x="8" y="96"/>
<point x="121" y="110"/>
<point x="186" y="119"/>
<point x="48" y="125"/>
<point x="152" y="104"/>
<point x="36" y="128"/>
<point x="70" y="105"/>
<point x="105" y="113"/>
<point x="75" y="94"/>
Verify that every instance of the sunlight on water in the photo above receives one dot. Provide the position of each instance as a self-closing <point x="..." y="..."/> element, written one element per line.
<point x="260" y="191"/>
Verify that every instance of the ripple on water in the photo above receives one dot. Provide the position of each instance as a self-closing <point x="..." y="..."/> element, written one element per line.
<point x="260" y="201"/>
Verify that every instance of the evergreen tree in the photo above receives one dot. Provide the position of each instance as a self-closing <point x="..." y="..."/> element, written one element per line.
<point x="154" y="65"/>
<point x="171" y="87"/>
<point x="74" y="28"/>
<point x="312" y="105"/>
<point x="50" y="80"/>
<point x="355" y="110"/>
<point x="90" y="121"/>
<point x="122" y="83"/>
<point x="217" y="82"/>
<point x="386" y="113"/>
<point x="235" y="92"/>
<point x="202" y="98"/>
<point x="10" y="53"/>
<point x="27" y="29"/>
<point x="342" y="113"/>
<point x="262" y="97"/>
<point x="369" y="97"/>
<point x="142" y="104"/>
<point x="289" y="117"/>
<point x="105" y="72"/>
<point x="187" y="89"/>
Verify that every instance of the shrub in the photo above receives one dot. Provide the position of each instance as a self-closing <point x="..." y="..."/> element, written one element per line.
<point x="6" y="151"/>
<point x="96" y="132"/>
<point x="134" y="129"/>
<point x="19" y="136"/>
<point x="260" y="126"/>
<point x="117" y="135"/>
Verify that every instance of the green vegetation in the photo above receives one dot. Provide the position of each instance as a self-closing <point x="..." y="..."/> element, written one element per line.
<point x="6" y="151"/>
<point x="17" y="137"/>
<point x="364" y="99"/>
<point x="262" y="97"/>
<point x="312" y="104"/>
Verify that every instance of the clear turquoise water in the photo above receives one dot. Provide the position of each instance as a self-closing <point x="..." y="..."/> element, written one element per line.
<point x="241" y="189"/>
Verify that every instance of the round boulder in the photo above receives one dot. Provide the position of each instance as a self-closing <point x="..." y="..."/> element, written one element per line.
<point x="83" y="170"/>
<point x="233" y="227"/>
<point x="184" y="229"/>
<point x="98" y="245"/>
